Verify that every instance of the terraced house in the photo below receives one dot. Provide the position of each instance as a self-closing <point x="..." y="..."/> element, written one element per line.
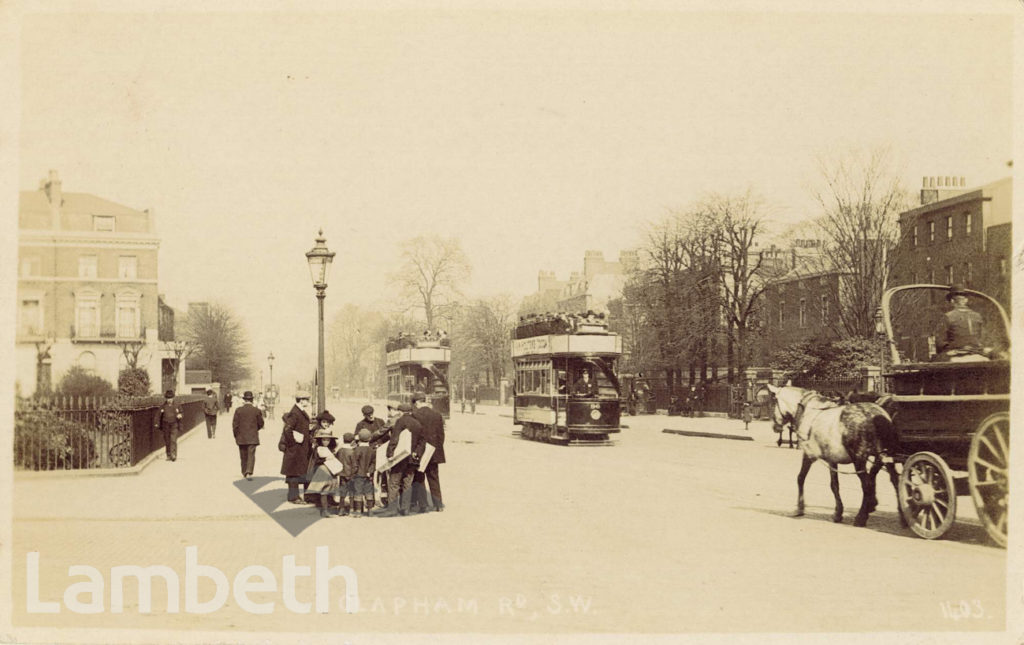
<point x="87" y="287"/>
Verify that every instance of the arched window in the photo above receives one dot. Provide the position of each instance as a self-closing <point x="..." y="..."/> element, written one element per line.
<point x="87" y="314"/>
<point x="87" y="361"/>
<point x="128" y="314"/>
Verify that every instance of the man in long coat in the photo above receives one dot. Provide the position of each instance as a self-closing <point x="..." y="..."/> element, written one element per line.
<point x="433" y="433"/>
<point x="246" y="424"/>
<point x="296" y="445"/>
<point x="210" y="408"/>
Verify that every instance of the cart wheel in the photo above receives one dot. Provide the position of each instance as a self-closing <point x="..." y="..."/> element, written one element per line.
<point x="988" y="474"/>
<point x="927" y="495"/>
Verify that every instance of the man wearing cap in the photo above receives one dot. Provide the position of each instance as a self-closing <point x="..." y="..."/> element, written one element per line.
<point x="401" y="475"/>
<point x="371" y="423"/>
<point x="296" y="445"/>
<point x="433" y="433"/>
<point x="959" y="333"/>
<point x="246" y="425"/>
<point x="210" y="409"/>
<point x="168" y="420"/>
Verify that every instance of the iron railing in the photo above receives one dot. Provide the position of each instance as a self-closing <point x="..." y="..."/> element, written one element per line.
<point x="81" y="432"/>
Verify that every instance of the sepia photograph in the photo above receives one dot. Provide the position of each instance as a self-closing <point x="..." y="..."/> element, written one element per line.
<point x="531" y="322"/>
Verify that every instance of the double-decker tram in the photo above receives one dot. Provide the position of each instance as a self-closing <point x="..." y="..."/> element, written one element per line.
<point x="566" y="389"/>
<point x="419" y="364"/>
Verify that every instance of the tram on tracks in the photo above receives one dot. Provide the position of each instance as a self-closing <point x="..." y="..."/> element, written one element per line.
<point x="951" y="412"/>
<point x="419" y="364"/>
<point x="566" y="389"/>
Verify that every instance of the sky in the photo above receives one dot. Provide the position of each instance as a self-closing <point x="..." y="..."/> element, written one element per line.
<point x="531" y="134"/>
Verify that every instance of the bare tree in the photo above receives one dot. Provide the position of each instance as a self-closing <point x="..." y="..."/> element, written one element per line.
<point x="738" y="222"/>
<point x="131" y="350"/>
<point x="861" y="199"/>
<point x="353" y="339"/>
<point x="482" y="338"/>
<point x="432" y="272"/>
<point x="220" y="342"/>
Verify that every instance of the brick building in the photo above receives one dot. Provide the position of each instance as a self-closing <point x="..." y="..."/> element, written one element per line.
<point x="600" y="281"/>
<point x="87" y="286"/>
<point x="959" y="235"/>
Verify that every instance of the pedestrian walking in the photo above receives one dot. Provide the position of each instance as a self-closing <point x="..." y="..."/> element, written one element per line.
<point x="748" y="416"/>
<point x="474" y="397"/>
<point x="210" y="408"/>
<point x="401" y="475"/>
<point x="168" y="421"/>
<point x="227" y="401"/>
<point x="296" y="445"/>
<point x="433" y="434"/>
<point x="246" y="426"/>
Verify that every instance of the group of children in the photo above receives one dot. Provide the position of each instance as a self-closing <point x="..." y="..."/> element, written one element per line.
<point x="342" y="473"/>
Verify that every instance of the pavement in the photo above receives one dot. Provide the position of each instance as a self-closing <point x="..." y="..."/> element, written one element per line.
<point x="661" y="533"/>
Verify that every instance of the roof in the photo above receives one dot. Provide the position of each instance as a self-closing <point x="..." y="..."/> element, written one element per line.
<point x="35" y="201"/>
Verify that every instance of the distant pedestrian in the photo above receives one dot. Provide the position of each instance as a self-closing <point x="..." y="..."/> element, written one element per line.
<point x="227" y="401"/>
<point x="210" y="408"/>
<point x="474" y="397"/>
<point x="246" y="425"/>
<point x="168" y="421"/>
<point x="748" y="416"/>
<point x="296" y="445"/>
<point x="432" y="434"/>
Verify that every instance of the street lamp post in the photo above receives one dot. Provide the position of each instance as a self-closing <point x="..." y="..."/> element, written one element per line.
<point x="270" y="362"/>
<point x="319" y="259"/>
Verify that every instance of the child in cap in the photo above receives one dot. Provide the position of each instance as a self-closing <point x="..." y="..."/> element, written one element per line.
<point x="346" y="455"/>
<point x="365" y="464"/>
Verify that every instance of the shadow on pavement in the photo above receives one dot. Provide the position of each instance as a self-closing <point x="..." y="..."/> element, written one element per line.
<point x="273" y="501"/>
<point x="886" y="522"/>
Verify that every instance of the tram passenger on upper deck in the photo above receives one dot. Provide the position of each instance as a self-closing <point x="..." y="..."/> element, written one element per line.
<point x="585" y="386"/>
<point x="959" y="335"/>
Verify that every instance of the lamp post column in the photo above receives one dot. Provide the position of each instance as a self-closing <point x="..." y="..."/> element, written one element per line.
<point x="321" y="384"/>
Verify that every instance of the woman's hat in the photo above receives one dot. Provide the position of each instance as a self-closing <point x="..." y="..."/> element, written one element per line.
<point x="325" y="416"/>
<point x="323" y="433"/>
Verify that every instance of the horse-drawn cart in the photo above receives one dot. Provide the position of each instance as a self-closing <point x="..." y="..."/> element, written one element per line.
<point x="951" y="418"/>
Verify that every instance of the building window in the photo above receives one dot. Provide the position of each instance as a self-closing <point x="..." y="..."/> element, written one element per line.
<point x="824" y="309"/>
<point x="127" y="314"/>
<point x="782" y="313"/>
<point x="931" y="231"/>
<point x="913" y="234"/>
<point x="968" y="274"/>
<point x="803" y="312"/>
<point x="30" y="266"/>
<point x="1002" y="266"/>
<point x="949" y="274"/>
<point x="127" y="267"/>
<point x="30" y="317"/>
<point x="87" y="266"/>
<point x="87" y="361"/>
<point x="103" y="223"/>
<point x="949" y="227"/>
<point x="968" y="222"/>
<point x="87" y="315"/>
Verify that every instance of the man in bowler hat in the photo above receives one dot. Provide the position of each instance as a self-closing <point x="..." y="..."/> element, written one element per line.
<point x="246" y="424"/>
<point x="168" y="421"/>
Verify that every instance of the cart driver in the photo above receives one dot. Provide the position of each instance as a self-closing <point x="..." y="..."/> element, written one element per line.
<point x="959" y="334"/>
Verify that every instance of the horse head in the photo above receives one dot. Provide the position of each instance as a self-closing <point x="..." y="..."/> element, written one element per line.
<point x="785" y="404"/>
